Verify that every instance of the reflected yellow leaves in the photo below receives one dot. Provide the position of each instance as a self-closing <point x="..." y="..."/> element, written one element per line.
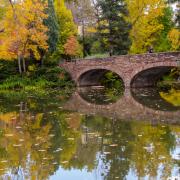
<point x="8" y="117"/>
<point x="172" y="96"/>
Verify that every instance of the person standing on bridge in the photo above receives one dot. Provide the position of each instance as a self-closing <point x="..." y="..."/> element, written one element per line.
<point x="150" y="50"/>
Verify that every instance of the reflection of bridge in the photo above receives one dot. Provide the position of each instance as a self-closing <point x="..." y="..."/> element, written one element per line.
<point x="126" y="108"/>
<point x="135" y="70"/>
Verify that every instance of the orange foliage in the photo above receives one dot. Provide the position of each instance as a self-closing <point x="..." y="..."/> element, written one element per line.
<point x="72" y="47"/>
<point x="24" y="31"/>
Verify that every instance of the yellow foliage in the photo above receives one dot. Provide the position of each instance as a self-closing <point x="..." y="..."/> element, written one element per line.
<point x="67" y="27"/>
<point x="24" y="30"/>
<point x="7" y="117"/>
<point x="174" y="38"/>
<point x="143" y="15"/>
<point x="173" y="97"/>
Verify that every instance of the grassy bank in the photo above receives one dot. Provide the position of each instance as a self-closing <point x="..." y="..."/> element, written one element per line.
<point x="37" y="81"/>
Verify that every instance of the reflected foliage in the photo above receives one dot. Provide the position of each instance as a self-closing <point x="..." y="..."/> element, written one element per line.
<point x="172" y="96"/>
<point x="157" y="99"/>
<point x="37" y="137"/>
<point x="100" y="95"/>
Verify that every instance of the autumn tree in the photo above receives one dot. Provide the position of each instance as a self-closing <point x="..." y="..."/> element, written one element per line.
<point x="84" y="15"/>
<point x="144" y="17"/>
<point x="72" y="47"/>
<point x="67" y="26"/>
<point x="174" y="38"/>
<point x="152" y="24"/>
<point x="24" y="32"/>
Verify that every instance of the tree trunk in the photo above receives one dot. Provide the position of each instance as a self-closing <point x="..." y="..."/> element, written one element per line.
<point x="19" y="64"/>
<point x="24" y="64"/>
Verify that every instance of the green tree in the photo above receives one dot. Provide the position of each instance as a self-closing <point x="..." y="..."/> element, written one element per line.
<point x="113" y="27"/>
<point x="66" y="24"/>
<point x="52" y="24"/>
<point x="163" y="43"/>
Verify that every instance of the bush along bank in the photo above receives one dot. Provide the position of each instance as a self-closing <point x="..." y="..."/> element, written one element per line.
<point x="36" y="80"/>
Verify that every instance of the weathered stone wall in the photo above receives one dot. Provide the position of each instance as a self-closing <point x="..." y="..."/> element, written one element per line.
<point x="128" y="67"/>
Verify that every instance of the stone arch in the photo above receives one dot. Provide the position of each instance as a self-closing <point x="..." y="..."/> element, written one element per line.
<point x="92" y="77"/>
<point x="150" y="74"/>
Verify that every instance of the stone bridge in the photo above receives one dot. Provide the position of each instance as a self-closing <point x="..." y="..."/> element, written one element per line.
<point x="135" y="70"/>
<point x="126" y="108"/>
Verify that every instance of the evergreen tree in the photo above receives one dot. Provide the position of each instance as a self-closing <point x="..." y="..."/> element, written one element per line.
<point x="113" y="28"/>
<point x="51" y="23"/>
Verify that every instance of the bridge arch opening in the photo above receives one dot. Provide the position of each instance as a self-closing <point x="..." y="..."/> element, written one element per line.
<point x="149" y="77"/>
<point x="96" y="77"/>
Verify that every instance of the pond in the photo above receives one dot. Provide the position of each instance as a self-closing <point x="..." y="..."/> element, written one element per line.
<point x="92" y="134"/>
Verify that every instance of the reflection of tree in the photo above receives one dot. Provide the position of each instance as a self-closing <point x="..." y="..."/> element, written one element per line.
<point x="172" y="96"/>
<point x="26" y="145"/>
<point x="151" y="147"/>
<point x="36" y="138"/>
<point x="115" y="137"/>
<point x="119" y="159"/>
<point x="140" y="146"/>
<point x="30" y="144"/>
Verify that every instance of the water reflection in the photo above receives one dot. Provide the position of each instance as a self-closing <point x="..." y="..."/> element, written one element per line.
<point x="145" y="104"/>
<point x="172" y="96"/>
<point x="41" y="140"/>
<point x="157" y="99"/>
<point x="100" y="94"/>
<point x="148" y="97"/>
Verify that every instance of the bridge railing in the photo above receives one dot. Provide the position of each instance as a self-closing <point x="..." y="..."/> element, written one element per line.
<point x="128" y="56"/>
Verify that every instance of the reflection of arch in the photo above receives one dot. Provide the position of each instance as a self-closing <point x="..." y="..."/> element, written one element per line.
<point x="151" y="98"/>
<point x="149" y="76"/>
<point x="126" y="108"/>
<point x="93" y="77"/>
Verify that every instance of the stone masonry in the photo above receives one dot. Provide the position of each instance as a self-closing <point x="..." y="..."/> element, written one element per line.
<point x="135" y="70"/>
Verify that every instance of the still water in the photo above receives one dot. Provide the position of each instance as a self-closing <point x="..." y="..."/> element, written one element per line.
<point x="92" y="134"/>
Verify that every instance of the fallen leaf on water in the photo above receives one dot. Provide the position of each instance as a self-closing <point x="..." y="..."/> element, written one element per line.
<point x="64" y="162"/>
<point x="38" y="137"/>
<point x="162" y="157"/>
<point x="4" y="161"/>
<point x="108" y="134"/>
<point x="51" y="135"/>
<point x="17" y="145"/>
<point x="57" y="150"/>
<point x="107" y="152"/>
<point x="18" y="127"/>
<point x="113" y="145"/>
<point x="45" y="158"/>
<point x="71" y="139"/>
<point x="41" y="150"/>
<point x="9" y="135"/>
<point x="91" y="133"/>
